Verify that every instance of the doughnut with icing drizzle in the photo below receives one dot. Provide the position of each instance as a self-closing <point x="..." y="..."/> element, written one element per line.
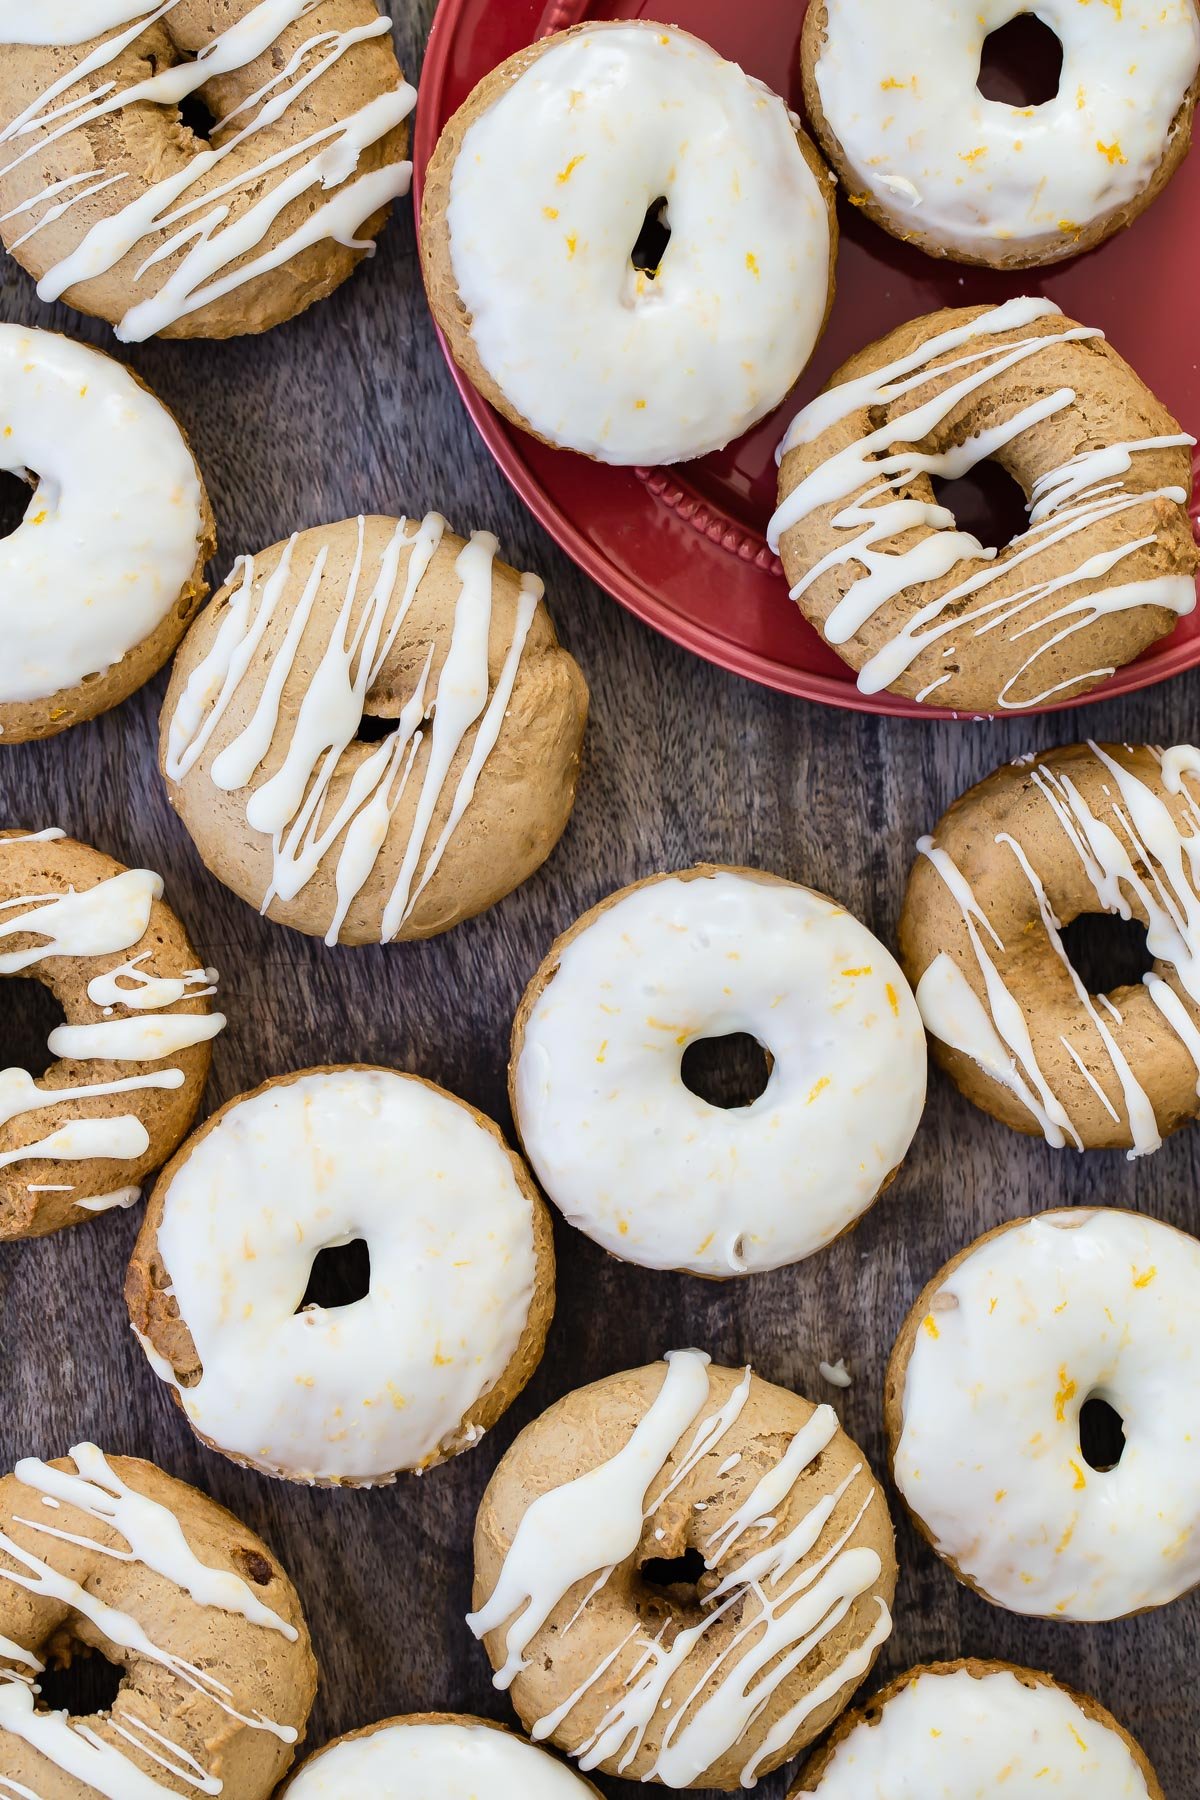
<point x="114" y="203"/>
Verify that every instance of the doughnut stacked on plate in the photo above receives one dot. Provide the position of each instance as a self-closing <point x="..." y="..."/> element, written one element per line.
<point x="371" y="733"/>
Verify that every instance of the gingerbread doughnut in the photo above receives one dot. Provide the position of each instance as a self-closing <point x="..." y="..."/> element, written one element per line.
<point x="1093" y="828"/>
<point x="109" y="1556"/>
<point x="350" y="837"/>
<point x="545" y="210"/>
<point x="115" y="204"/>
<point x="584" y="1598"/>
<point x="920" y="608"/>
<point x="133" y="1051"/>
<point x="448" y="1755"/>
<point x="985" y="1399"/>
<point x="893" y="96"/>
<point x="460" y="1292"/>
<point x="102" y="576"/>
<point x="651" y="1170"/>
<point x="985" y="1727"/>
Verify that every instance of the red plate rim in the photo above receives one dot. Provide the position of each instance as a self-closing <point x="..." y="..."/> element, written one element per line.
<point x="1159" y="663"/>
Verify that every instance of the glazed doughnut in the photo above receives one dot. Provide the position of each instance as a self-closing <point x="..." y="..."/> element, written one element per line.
<point x="893" y="96"/>
<point x="133" y="1050"/>
<point x="983" y="1403"/>
<point x="705" y="1683"/>
<point x="920" y="608"/>
<point x="649" y="1169"/>
<point x="1094" y="828"/>
<point x="535" y="201"/>
<point x="349" y="837"/>
<point x="461" y="1276"/>
<point x="950" y="1729"/>
<point x="109" y="1556"/>
<point x="449" y="1755"/>
<point x="116" y="205"/>
<point x="101" y="578"/>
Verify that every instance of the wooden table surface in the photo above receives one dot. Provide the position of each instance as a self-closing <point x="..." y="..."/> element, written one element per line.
<point x="351" y="408"/>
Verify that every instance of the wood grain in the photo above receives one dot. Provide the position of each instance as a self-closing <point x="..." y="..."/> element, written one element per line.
<point x="352" y="408"/>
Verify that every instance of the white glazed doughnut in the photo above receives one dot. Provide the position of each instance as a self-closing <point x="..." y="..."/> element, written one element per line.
<point x="650" y="1170"/>
<point x="894" y="98"/>
<point x="109" y="555"/>
<point x="461" y="1276"/>
<point x="532" y="213"/>
<point x="954" y="1731"/>
<point x="984" y="1396"/>
<point x="436" y="1756"/>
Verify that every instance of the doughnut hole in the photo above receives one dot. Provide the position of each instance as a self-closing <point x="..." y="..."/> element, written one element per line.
<point x="678" y="1576"/>
<point x="1101" y="1434"/>
<point x="340" y="1275"/>
<point x="374" y="727"/>
<point x="15" y="490"/>
<point x="729" y="1071"/>
<point x="651" y="244"/>
<point x="987" y="501"/>
<point x="197" y="117"/>
<point x="1107" y="952"/>
<point x="77" y="1679"/>
<point x="31" y="1013"/>
<point x="1021" y="62"/>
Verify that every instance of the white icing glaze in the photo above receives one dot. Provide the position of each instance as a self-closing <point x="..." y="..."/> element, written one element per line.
<point x="185" y="207"/>
<point x="898" y="87"/>
<point x="291" y="807"/>
<point x="653" y="1172"/>
<point x="958" y="1736"/>
<point x="154" y="1538"/>
<point x="111" y="916"/>
<point x="426" y="1761"/>
<point x="547" y="199"/>
<point x="1031" y="1324"/>
<point x="358" y="1391"/>
<point x="1152" y="861"/>
<point x="590" y="1525"/>
<point x="1085" y="492"/>
<point x="111" y="532"/>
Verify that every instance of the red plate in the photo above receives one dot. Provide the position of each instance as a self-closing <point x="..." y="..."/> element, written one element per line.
<point x="683" y="548"/>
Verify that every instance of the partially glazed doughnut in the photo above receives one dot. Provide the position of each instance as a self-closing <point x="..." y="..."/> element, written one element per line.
<point x="132" y="1054"/>
<point x="460" y="1293"/>
<point x="984" y="1400"/>
<point x="109" y="1556"/>
<point x="361" y="838"/>
<point x="535" y="202"/>
<point x="918" y="607"/>
<point x="893" y="96"/>
<point x="448" y="1755"/>
<point x="950" y="1729"/>
<point x="1093" y="828"/>
<point x="648" y="1168"/>
<point x="658" y="1676"/>
<point x="115" y="204"/>
<point x="101" y="578"/>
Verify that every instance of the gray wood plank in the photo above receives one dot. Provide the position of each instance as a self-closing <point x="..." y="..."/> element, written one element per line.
<point x="352" y="408"/>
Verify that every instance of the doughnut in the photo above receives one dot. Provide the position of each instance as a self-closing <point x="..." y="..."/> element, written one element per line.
<point x="449" y="1755"/>
<point x="1093" y="828"/>
<point x="116" y="204"/>
<point x="983" y="1401"/>
<point x="649" y="1169"/>
<point x="545" y="205"/>
<point x="101" y="578"/>
<point x="920" y="608"/>
<point x="956" y="1728"/>
<point x="350" y="836"/>
<point x="461" y="1283"/>
<point x="584" y="1599"/>
<point x="893" y="96"/>
<point x="109" y="1556"/>
<point x="133" y="1051"/>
